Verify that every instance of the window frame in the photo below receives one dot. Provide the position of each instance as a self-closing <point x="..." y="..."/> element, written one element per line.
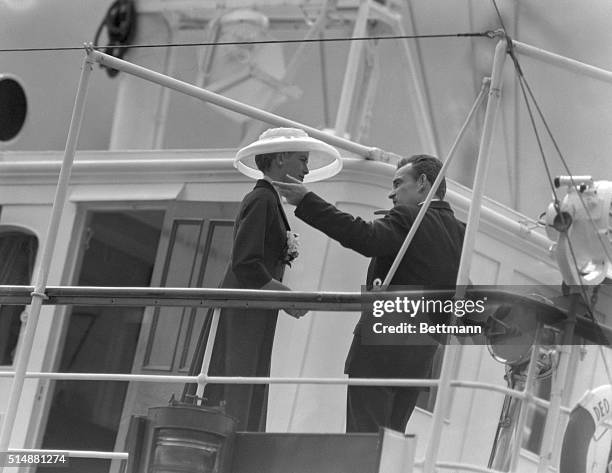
<point x="8" y="228"/>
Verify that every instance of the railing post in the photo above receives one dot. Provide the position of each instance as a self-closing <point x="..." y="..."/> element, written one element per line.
<point x="210" y="344"/>
<point x="24" y="349"/>
<point x="517" y="442"/>
<point x="558" y="386"/>
<point x="452" y="351"/>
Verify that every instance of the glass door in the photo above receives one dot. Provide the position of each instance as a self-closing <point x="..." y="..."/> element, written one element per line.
<point x="117" y="248"/>
<point x="194" y="249"/>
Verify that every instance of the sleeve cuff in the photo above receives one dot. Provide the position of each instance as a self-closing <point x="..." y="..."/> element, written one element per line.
<point x="302" y="208"/>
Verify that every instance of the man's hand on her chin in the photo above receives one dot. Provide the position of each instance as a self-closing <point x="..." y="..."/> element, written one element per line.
<point x="293" y="191"/>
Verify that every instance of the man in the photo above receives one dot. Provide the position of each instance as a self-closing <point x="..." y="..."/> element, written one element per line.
<point x="260" y="251"/>
<point x="431" y="260"/>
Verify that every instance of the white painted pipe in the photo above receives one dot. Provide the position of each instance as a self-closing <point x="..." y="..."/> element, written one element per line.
<point x="434" y="187"/>
<point x="152" y="378"/>
<point x="465" y="467"/>
<point x="208" y="350"/>
<point x="24" y="347"/>
<point x="563" y="62"/>
<point x="71" y="453"/>
<point x="551" y="426"/>
<point x="452" y="350"/>
<point x="529" y="389"/>
<point x="239" y="107"/>
<point x="488" y="387"/>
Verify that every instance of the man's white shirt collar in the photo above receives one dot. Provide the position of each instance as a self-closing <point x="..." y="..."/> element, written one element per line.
<point x="435" y="199"/>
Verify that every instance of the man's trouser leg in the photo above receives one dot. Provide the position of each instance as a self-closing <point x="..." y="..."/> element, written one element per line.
<point x="372" y="407"/>
<point x="367" y="407"/>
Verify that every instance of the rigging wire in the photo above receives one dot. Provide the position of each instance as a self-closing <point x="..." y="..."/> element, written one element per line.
<point x="521" y="79"/>
<point x="485" y="34"/>
<point x="499" y="16"/>
<point x="525" y="87"/>
<point x="566" y="167"/>
<point x="539" y="141"/>
<point x="522" y="83"/>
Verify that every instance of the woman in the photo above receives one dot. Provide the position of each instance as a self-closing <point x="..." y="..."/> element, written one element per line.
<point x="263" y="244"/>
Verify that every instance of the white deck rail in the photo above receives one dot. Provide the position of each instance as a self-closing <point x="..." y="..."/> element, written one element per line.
<point x="189" y="297"/>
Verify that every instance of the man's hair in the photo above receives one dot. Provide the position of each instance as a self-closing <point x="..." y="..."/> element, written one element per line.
<point x="428" y="165"/>
<point x="264" y="161"/>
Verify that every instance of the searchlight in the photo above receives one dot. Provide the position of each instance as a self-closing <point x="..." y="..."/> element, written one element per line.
<point x="580" y="228"/>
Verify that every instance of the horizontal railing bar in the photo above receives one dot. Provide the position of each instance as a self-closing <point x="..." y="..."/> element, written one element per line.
<point x="153" y="378"/>
<point x="19" y="295"/>
<point x="563" y="61"/>
<point x="226" y="379"/>
<point x="465" y="467"/>
<point x="145" y="378"/>
<point x="255" y="299"/>
<point x="204" y="297"/>
<point x="213" y="297"/>
<point x="538" y="401"/>
<point x="72" y="453"/>
<point x="488" y="387"/>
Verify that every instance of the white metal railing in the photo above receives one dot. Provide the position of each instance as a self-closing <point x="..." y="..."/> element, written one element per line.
<point x="270" y="299"/>
<point x="73" y="453"/>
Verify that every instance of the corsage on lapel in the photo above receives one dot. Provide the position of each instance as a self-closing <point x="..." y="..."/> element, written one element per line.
<point x="292" y="247"/>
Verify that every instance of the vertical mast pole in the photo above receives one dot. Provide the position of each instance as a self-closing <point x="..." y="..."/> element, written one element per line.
<point x="24" y="348"/>
<point x="452" y="350"/>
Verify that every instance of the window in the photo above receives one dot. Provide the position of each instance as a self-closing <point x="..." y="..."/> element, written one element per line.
<point x="17" y="256"/>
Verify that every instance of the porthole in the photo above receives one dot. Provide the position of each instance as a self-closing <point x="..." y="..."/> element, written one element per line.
<point x="13" y="107"/>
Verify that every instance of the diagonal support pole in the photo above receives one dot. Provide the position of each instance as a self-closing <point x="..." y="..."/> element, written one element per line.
<point x="434" y="187"/>
<point x="349" y="83"/>
<point x="517" y="439"/>
<point x="210" y="343"/>
<point x="292" y="68"/>
<point x="38" y="295"/>
<point x="367" y="152"/>
<point x="552" y="427"/>
<point x="416" y="89"/>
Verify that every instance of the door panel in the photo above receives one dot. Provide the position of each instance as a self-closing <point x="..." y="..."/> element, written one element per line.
<point x="194" y="250"/>
<point x="215" y="259"/>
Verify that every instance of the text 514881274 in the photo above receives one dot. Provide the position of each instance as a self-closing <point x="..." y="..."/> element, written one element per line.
<point x="14" y="459"/>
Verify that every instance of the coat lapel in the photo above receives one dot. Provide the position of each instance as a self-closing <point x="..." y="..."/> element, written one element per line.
<point x="266" y="184"/>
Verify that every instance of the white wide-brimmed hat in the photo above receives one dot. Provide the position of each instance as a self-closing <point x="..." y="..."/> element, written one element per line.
<point x="324" y="161"/>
